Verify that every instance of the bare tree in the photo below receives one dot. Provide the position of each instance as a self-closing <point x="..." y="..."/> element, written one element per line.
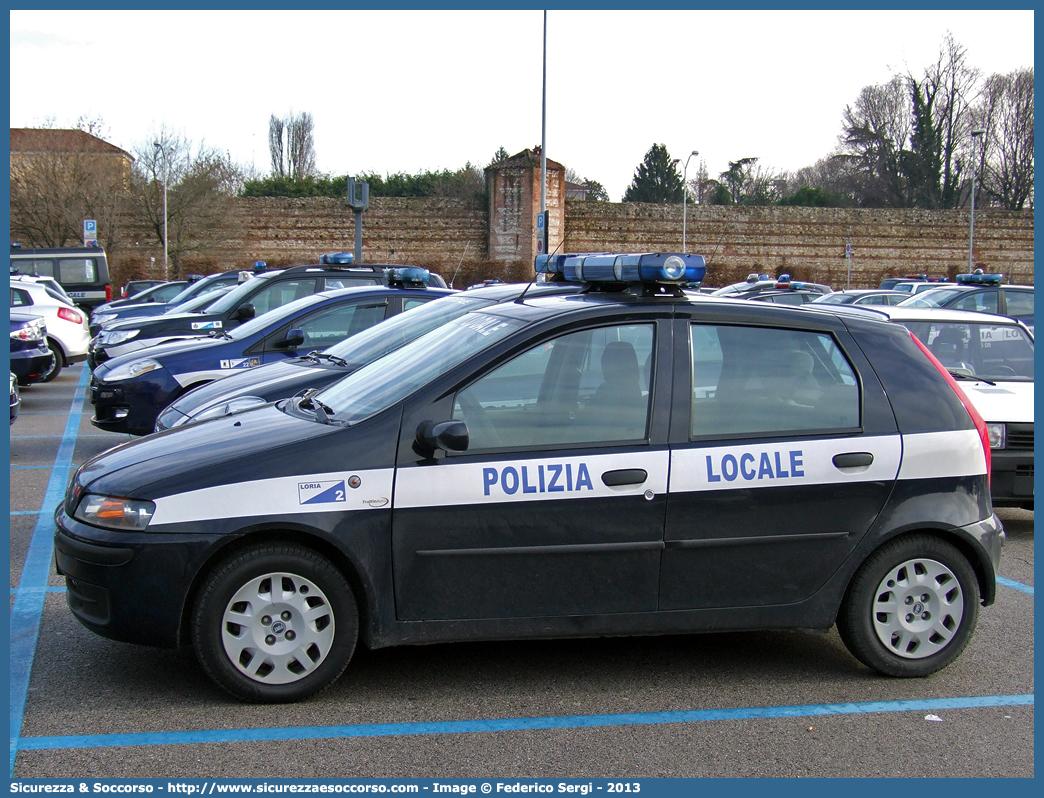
<point x="948" y="86"/>
<point x="1005" y="160"/>
<point x="63" y="176"/>
<point x="291" y="144"/>
<point x="276" y="129"/>
<point x="301" y="146"/>
<point x="201" y="185"/>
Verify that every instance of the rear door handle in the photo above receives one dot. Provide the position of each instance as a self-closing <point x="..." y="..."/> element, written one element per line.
<point x="853" y="459"/>
<point x="625" y="476"/>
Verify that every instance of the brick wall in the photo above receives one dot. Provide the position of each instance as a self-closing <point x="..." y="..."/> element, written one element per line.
<point x="447" y="235"/>
<point x="809" y="243"/>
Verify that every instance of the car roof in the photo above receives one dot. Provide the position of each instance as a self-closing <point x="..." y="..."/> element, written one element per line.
<point x="901" y="314"/>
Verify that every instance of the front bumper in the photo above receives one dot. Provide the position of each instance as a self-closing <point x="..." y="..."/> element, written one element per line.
<point x="131" y="406"/>
<point x="128" y="586"/>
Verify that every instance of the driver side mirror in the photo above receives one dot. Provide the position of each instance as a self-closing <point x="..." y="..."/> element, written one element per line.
<point x="294" y="338"/>
<point x="244" y="312"/>
<point x="450" y="436"/>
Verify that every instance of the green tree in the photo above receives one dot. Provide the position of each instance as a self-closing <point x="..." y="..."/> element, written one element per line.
<point x="500" y="155"/>
<point x="656" y="179"/>
<point x="921" y="165"/>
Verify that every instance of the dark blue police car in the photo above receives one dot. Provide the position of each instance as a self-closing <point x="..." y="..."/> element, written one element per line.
<point x="129" y="391"/>
<point x="258" y="295"/>
<point x="317" y="370"/>
<point x="624" y="460"/>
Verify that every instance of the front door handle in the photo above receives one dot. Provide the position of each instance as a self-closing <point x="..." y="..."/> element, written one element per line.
<point x="853" y="459"/>
<point x="624" y="476"/>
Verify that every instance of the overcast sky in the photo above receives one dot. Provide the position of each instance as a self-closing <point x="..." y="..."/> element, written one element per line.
<point x="406" y="91"/>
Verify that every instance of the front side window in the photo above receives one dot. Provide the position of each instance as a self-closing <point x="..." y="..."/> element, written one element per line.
<point x="585" y="387"/>
<point x="331" y="326"/>
<point x="751" y="381"/>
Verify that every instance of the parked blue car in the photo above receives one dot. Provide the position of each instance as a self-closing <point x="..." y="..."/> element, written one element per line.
<point x="31" y="360"/>
<point x="130" y="391"/>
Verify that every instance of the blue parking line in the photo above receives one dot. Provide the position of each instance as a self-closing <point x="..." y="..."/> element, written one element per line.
<point x="40" y="437"/>
<point x="514" y="724"/>
<point x="29" y="468"/>
<point x="1014" y="585"/>
<point x="25" y="512"/>
<point x="50" y="589"/>
<point x="29" y="600"/>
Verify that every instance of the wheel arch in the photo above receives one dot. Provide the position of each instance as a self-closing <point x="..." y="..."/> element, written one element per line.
<point x="61" y="349"/>
<point x="283" y="534"/>
<point x="977" y="559"/>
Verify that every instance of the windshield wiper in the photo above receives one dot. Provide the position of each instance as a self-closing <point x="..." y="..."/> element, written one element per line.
<point x="323" y="412"/>
<point x="960" y="375"/>
<point x="316" y="355"/>
<point x="220" y="334"/>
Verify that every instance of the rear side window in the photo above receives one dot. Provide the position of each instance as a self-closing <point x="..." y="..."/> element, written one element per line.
<point x="72" y="271"/>
<point x="1020" y="303"/>
<point x="762" y="381"/>
<point x="981" y="301"/>
<point x="20" y="298"/>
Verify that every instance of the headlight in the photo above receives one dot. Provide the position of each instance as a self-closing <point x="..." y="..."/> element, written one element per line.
<point x="115" y="513"/>
<point x="130" y="370"/>
<point x="102" y="318"/>
<point x="998" y="435"/>
<point x="222" y="409"/>
<point x="113" y="337"/>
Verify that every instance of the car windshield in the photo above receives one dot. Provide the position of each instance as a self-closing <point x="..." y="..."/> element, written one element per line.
<point x="201" y="302"/>
<point x="987" y="351"/>
<point x="236" y="296"/>
<point x="399" y="330"/>
<point x="380" y="384"/>
<point x="933" y="298"/>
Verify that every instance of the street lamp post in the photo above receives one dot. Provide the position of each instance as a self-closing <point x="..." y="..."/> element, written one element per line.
<point x="685" y="195"/>
<point x="166" y="177"/>
<point x="975" y="134"/>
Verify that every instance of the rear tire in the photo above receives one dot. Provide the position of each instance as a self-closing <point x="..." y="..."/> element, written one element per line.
<point x="275" y="623"/>
<point x="911" y="608"/>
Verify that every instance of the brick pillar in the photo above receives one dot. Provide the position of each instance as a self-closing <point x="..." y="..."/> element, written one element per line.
<point x="514" y="203"/>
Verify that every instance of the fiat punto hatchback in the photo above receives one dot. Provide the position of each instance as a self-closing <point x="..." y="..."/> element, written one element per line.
<point x="623" y="460"/>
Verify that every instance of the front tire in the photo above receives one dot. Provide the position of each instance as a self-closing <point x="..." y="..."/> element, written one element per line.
<point x="59" y="361"/>
<point x="275" y="623"/>
<point x="911" y="608"/>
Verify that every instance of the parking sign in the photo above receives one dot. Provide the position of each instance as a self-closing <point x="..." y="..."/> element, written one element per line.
<point x="90" y="230"/>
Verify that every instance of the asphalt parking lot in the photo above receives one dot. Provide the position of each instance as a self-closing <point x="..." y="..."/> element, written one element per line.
<point x="728" y="705"/>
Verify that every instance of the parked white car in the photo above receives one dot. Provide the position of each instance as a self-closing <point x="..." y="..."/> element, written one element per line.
<point x="67" y="328"/>
<point x="991" y="358"/>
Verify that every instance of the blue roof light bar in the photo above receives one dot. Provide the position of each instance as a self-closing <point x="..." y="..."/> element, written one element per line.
<point x="615" y="267"/>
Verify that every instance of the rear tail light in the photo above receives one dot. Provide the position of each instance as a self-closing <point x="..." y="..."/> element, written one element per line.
<point x="70" y="315"/>
<point x="980" y="425"/>
<point x="108" y="293"/>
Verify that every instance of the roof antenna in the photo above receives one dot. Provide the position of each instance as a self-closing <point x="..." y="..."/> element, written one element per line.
<point x="530" y="285"/>
<point x="454" y="277"/>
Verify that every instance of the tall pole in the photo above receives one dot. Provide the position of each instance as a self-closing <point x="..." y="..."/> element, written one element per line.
<point x="166" y="178"/>
<point x="685" y="196"/>
<point x="543" y="133"/>
<point x="975" y="134"/>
